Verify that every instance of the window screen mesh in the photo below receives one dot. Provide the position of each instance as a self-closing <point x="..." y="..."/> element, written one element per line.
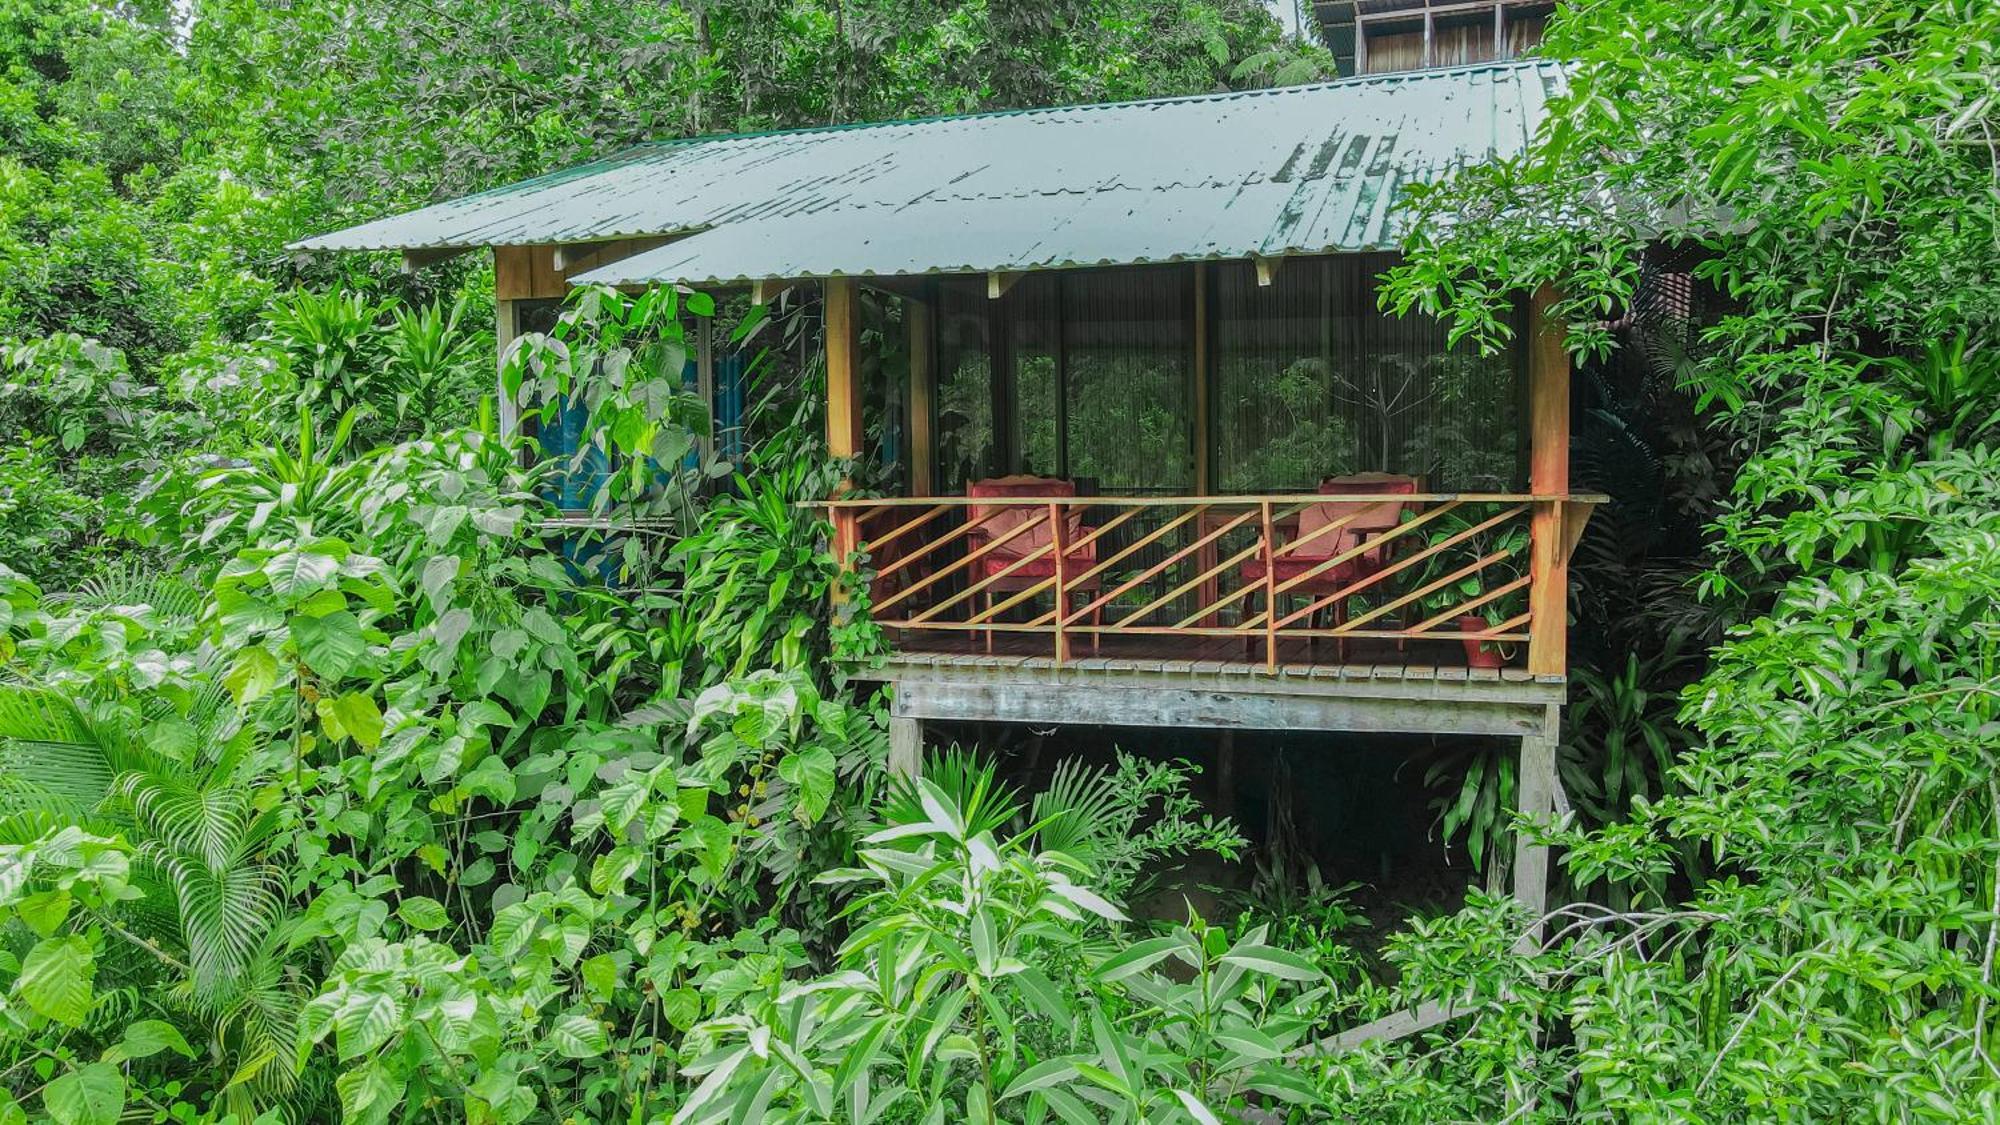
<point x="964" y="385"/>
<point x="1128" y="344"/>
<point x="1312" y="380"/>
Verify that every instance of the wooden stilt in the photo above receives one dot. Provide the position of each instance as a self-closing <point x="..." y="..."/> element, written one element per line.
<point x="906" y="745"/>
<point x="1537" y="797"/>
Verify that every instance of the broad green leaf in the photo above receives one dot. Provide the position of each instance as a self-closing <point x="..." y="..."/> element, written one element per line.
<point x="367" y="1093"/>
<point x="708" y="838"/>
<point x="252" y="675"/>
<point x="439" y="573"/>
<point x="1195" y="1108"/>
<point x="148" y="1038"/>
<point x="579" y="1037"/>
<point x="490" y="779"/>
<point x="682" y="1007"/>
<point x="985" y="942"/>
<point x="600" y="974"/>
<point x="296" y="573"/>
<point x="621" y="802"/>
<point x="422" y="913"/>
<point x="810" y="771"/>
<point x="1104" y="1078"/>
<point x="367" y="1019"/>
<point x="332" y="645"/>
<point x="44" y="911"/>
<point x="56" y="978"/>
<point x="1248" y="1042"/>
<point x="1088" y="900"/>
<point x="1052" y="1072"/>
<point x="1137" y="958"/>
<point x="358" y="717"/>
<point x="89" y="1095"/>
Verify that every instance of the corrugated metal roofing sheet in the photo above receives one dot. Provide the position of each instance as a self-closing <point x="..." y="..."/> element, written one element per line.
<point x="1299" y="169"/>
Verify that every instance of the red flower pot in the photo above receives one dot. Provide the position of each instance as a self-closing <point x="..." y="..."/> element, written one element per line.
<point x="1478" y="653"/>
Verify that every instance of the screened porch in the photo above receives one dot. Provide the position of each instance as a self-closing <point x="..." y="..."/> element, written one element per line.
<point x="1238" y="463"/>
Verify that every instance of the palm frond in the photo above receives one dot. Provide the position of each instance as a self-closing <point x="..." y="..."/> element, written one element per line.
<point x="207" y="822"/>
<point x="38" y="715"/>
<point x="172" y="600"/>
<point x="1073" y="813"/>
<point x="225" y="916"/>
<point x="985" y="804"/>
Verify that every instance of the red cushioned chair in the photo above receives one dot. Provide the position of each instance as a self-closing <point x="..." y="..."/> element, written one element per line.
<point x="1371" y="519"/>
<point x="994" y="522"/>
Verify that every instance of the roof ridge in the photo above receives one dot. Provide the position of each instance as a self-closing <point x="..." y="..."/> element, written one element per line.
<point x="1394" y="77"/>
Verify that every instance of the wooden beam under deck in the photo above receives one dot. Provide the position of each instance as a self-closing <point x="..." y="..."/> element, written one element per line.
<point x="1096" y="705"/>
<point x="1218" y="695"/>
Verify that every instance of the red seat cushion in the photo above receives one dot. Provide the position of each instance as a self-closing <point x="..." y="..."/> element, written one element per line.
<point x="998" y="521"/>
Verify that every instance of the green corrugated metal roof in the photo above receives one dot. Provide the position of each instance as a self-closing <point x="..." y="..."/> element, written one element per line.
<point x="1300" y="169"/>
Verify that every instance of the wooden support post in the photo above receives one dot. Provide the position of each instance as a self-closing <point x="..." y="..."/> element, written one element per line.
<point x="1548" y="475"/>
<point x="843" y="369"/>
<point x="842" y="329"/>
<point x="1537" y="796"/>
<point x="999" y="282"/>
<point x="765" y="290"/>
<point x="922" y="332"/>
<point x="503" y="334"/>
<point x="906" y="745"/>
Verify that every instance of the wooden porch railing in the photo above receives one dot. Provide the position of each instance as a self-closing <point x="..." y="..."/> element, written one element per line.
<point x="1082" y="571"/>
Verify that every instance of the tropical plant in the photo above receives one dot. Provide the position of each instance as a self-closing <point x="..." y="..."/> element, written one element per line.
<point x="1462" y="568"/>
<point x="946" y="1001"/>
<point x="174" y="786"/>
<point x="1475" y="787"/>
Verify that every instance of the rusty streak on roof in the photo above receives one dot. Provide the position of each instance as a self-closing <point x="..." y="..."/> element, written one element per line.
<point x="1300" y="169"/>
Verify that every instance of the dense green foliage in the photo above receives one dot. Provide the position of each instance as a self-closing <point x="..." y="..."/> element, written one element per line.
<point x="1809" y="918"/>
<point x="339" y="778"/>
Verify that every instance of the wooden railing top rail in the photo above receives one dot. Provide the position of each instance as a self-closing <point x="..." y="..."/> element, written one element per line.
<point x="1232" y="498"/>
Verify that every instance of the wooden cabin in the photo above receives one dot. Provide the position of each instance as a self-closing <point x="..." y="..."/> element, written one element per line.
<point x="1383" y="36"/>
<point x="1142" y="449"/>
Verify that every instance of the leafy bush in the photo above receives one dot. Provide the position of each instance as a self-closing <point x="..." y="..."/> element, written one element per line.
<point x="985" y="980"/>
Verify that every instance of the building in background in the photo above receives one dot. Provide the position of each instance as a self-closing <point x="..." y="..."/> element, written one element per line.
<point x="1381" y="36"/>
